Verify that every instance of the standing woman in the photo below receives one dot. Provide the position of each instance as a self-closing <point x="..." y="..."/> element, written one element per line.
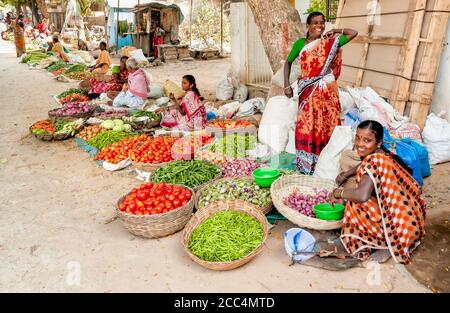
<point x="19" y="36"/>
<point x="158" y="38"/>
<point x="318" y="103"/>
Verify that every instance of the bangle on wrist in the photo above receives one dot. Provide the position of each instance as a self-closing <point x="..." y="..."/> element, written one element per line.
<point x="342" y="193"/>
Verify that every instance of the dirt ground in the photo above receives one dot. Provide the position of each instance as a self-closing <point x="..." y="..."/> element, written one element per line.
<point x="54" y="202"/>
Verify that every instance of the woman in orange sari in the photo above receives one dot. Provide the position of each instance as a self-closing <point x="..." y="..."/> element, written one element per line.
<point x="385" y="213"/>
<point x="19" y="36"/>
<point x="318" y="103"/>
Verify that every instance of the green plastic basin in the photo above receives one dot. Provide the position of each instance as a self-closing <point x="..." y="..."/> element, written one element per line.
<point x="115" y="69"/>
<point x="324" y="211"/>
<point x="264" y="177"/>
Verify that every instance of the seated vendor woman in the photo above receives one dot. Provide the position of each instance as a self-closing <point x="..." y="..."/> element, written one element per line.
<point x="103" y="62"/>
<point x="57" y="48"/>
<point x="190" y="113"/>
<point x="135" y="92"/>
<point x="384" y="216"/>
<point x="114" y="85"/>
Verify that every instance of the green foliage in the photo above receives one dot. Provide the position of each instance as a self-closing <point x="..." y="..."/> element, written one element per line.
<point x="206" y="25"/>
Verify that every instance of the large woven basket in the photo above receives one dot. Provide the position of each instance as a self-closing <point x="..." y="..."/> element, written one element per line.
<point x="210" y="210"/>
<point x="53" y="136"/>
<point x="157" y="225"/>
<point x="266" y="209"/>
<point x="148" y="167"/>
<point x="85" y="85"/>
<point x="285" y="185"/>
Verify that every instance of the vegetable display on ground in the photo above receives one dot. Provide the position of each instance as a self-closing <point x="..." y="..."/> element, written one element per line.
<point x="234" y="146"/>
<point x="90" y="131"/>
<point x="78" y="75"/>
<point x="43" y="127"/>
<point x="189" y="173"/>
<point x="304" y="203"/>
<point x="188" y="146"/>
<point x="72" y="108"/>
<point x="75" y="97"/>
<point x="107" y="138"/>
<point x="226" y="236"/>
<point x="71" y="91"/>
<point x="116" y="125"/>
<point x="235" y="189"/>
<point x="239" y="167"/>
<point x="229" y="124"/>
<point x="150" y="199"/>
<point x="155" y="150"/>
<point x="119" y="151"/>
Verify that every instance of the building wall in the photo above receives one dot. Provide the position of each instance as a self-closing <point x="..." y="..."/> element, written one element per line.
<point x="441" y="94"/>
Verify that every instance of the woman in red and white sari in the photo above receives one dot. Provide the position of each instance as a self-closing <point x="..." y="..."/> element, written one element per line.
<point x="318" y="103"/>
<point x="190" y="113"/>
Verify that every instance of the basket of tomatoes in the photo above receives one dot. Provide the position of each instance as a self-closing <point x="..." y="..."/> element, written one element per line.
<point x="156" y="210"/>
<point x="120" y="151"/>
<point x="186" y="148"/>
<point x="229" y="127"/>
<point x="153" y="153"/>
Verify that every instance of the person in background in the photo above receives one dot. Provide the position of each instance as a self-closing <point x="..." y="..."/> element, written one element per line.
<point x="103" y="62"/>
<point x="190" y="113"/>
<point x="158" y="38"/>
<point x="57" y="48"/>
<point x="385" y="212"/>
<point x="19" y="36"/>
<point x="114" y="85"/>
<point x="318" y="103"/>
<point x="135" y="92"/>
<point x="42" y="27"/>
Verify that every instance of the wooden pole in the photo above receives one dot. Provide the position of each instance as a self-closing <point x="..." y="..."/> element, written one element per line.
<point x="221" y="26"/>
<point x="117" y="32"/>
<point x="138" y="36"/>
<point x="190" y="24"/>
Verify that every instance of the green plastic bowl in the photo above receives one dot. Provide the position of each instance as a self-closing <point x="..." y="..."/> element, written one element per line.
<point x="324" y="211"/>
<point x="264" y="177"/>
<point x="115" y="69"/>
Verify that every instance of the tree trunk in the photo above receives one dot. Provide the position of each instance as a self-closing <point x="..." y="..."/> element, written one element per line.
<point x="279" y="26"/>
<point x="43" y="8"/>
<point x="34" y="10"/>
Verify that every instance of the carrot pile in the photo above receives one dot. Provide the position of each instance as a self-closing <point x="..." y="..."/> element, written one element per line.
<point x="45" y="125"/>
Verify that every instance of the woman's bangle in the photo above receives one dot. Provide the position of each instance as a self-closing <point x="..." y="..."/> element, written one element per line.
<point x="287" y="87"/>
<point x="343" y="176"/>
<point x="342" y="193"/>
<point x="342" y="31"/>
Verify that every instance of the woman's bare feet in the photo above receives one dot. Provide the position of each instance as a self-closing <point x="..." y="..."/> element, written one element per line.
<point x="380" y="256"/>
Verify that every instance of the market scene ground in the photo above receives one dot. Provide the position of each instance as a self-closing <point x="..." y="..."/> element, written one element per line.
<point x="56" y="202"/>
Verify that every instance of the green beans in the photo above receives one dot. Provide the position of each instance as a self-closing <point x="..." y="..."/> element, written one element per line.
<point x="107" y="138"/>
<point x="226" y="236"/>
<point x="153" y="116"/>
<point x="235" y="189"/>
<point x="189" y="173"/>
<point x="234" y="146"/>
<point x="71" y="91"/>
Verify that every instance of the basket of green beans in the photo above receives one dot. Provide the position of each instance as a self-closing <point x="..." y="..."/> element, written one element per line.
<point x="225" y="235"/>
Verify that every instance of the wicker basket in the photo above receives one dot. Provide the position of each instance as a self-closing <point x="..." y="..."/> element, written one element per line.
<point x="148" y="167"/>
<point x="220" y="132"/>
<point x="208" y="211"/>
<point x="157" y="225"/>
<point x="202" y="188"/>
<point x="285" y="185"/>
<point x="85" y="85"/>
<point x="85" y="115"/>
<point x="54" y="136"/>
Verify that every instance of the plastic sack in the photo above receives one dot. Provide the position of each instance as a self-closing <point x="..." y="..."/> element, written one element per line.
<point x="260" y="151"/>
<point x="240" y="93"/>
<point x="436" y="137"/>
<point x="139" y="56"/>
<point x="250" y="107"/>
<point x="278" y="115"/>
<point x="125" y="51"/>
<point x="290" y="147"/>
<point x="346" y="101"/>
<point x="352" y="119"/>
<point x="406" y="152"/>
<point x="278" y="78"/>
<point x="171" y="87"/>
<point x="229" y="110"/>
<point x="409" y="130"/>
<point x="299" y="240"/>
<point x="423" y="156"/>
<point x="115" y="167"/>
<point x="156" y="91"/>
<point x="225" y="90"/>
<point x="328" y="163"/>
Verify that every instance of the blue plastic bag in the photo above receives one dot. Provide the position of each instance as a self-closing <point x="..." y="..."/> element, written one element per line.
<point x="423" y="156"/>
<point x="406" y="152"/>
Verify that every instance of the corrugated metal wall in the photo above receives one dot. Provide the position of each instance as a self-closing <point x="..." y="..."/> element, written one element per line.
<point x="259" y="72"/>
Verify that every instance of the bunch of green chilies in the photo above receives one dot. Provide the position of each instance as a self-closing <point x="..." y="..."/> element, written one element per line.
<point x="226" y="236"/>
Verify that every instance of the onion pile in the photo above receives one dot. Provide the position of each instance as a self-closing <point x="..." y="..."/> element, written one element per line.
<point x="304" y="203"/>
<point x="73" y="108"/>
<point x="111" y="114"/>
<point x="239" y="167"/>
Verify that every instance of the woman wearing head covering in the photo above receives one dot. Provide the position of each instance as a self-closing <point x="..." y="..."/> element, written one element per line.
<point x="135" y="92"/>
<point x="190" y="113"/>
<point x="385" y="212"/>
